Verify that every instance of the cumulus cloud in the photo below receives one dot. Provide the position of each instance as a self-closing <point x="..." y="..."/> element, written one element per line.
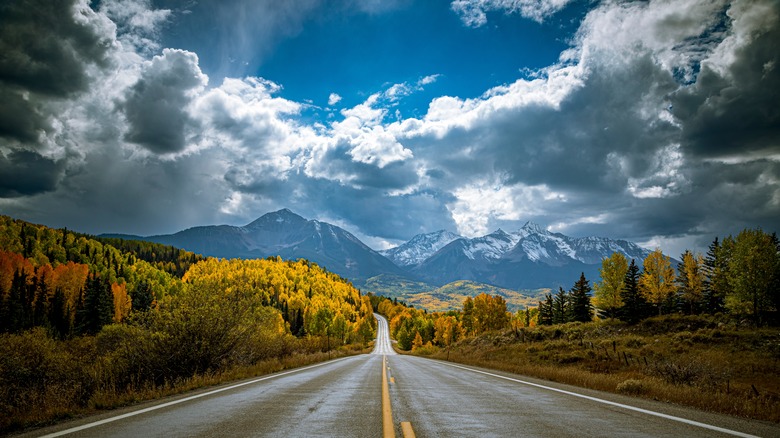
<point x="157" y="106"/>
<point x="47" y="54"/>
<point x="473" y="13"/>
<point x="333" y="99"/>
<point x="731" y="109"/>
<point x="477" y="204"/>
<point x="658" y="124"/>
<point x="138" y="24"/>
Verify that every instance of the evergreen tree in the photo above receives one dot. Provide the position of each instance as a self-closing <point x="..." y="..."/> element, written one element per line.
<point x="15" y="303"/>
<point x="634" y="304"/>
<point x="40" y="307"/>
<point x="142" y="298"/>
<point x="97" y="309"/>
<point x="59" y="318"/>
<point x="545" y="310"/>
<point x="581" y="308"/>
<point x="715" y="278"/>
<point x="560" y="307"/>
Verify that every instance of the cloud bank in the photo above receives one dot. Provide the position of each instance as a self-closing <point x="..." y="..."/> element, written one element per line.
<point x="659" y="124"/>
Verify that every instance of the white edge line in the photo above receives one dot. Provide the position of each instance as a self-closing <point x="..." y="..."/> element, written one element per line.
<point x="607" y="402"/>
<point x="186" y="399"/>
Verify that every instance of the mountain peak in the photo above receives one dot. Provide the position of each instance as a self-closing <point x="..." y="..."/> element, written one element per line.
<point x="419" y="248"/>
<point x="534" y="228"/>
<point x="279" y="216"/>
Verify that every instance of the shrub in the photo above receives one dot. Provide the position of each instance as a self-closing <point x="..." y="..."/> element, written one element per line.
<point x="633" y="387"/>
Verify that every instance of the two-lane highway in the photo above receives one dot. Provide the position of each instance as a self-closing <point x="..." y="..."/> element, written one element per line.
<point x="374" y="395"/>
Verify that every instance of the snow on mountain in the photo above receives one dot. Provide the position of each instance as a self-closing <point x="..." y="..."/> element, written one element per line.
<point x="492" y="246"/>
<point x="419" y="248"/>
<point x="529" y="257"/>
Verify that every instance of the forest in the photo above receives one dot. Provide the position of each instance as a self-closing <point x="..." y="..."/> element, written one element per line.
<point x="90" y="323"/>
<point x="703" y="333"/>
<point x="738" y="280"/>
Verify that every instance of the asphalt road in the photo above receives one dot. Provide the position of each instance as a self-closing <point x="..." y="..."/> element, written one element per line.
<point x="344" y="398"/>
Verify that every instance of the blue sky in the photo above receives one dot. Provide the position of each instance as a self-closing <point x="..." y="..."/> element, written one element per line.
<point x="653" y="121"/>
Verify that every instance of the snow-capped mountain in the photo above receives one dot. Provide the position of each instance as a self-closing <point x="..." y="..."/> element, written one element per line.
<point x="290" y="236"/>
<point x="419" y="248"/>
<point x="528" y="258"/>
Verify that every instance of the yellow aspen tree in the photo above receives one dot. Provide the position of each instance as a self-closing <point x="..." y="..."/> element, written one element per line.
<point x="607" y="293"/>
<point x="657" y="282"/>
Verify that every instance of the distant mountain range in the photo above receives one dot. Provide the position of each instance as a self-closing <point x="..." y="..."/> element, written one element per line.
<point x="284" y="233"/>
<point x="529" y="258"/>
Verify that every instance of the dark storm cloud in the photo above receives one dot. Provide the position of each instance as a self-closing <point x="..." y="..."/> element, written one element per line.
<point x="735" y="111"/>
<point x="26" y="173"/>
<point x="149" y="196"/>
<point x="45" y="53"/>
<point x="20" y="119"/>
<point x="156" y="107"/>
<point x="569" y="147"/>
<point x="45" y="50"/>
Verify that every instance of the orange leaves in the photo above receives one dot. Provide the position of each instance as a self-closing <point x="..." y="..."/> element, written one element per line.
<point x="122" y="302"/>
<point x="70" y="277"/>
<point x="9" y="263"/>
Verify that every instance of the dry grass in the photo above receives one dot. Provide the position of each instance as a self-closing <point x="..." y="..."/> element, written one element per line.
<point x="694" y="361"/>
<point x="55" y="409"/>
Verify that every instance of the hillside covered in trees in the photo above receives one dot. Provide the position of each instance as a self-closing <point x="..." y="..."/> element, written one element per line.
<point x="89" y="322"/>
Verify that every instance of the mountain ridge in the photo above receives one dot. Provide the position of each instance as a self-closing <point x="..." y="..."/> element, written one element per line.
<point x="528" y="258"/>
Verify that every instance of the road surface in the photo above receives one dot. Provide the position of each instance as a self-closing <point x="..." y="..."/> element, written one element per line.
<point x="388" y="394"/>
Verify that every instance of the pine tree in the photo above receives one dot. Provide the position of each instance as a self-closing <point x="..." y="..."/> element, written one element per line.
<point x="15" y="303"/>
<point x="581" y="308"/>
<point x="545" y="310"/>
<point x="142" y="298"/>
<point x="40" y="307"/>
<point x="716" y="278"/>
<point x="58" y="317"/>
<point x="97" y="309"/>
<point x="634" y="305"/>
<point x="560" y="307"/>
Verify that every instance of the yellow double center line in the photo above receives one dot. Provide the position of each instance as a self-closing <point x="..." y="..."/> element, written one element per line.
<point x="387" y="410"/>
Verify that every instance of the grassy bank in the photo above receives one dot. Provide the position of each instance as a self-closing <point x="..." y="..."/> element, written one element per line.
<point x="694" y="361"/>
<point x="86" y="390"/>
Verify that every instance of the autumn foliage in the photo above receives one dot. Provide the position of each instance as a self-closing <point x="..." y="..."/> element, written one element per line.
<point x="95" y="321"/>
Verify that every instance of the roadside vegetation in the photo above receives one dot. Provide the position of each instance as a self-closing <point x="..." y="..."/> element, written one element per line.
<point x="86" y="325"/>
<point x="704" y="334"/>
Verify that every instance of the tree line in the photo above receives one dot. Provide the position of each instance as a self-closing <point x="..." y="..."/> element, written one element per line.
<point x="738" y="277"/>
<point x="92" y="320"/>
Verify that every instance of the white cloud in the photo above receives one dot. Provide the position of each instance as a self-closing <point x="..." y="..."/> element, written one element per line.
<point x="477" y="204"/>
<point x="333" y="99"/>
<point x="138" y="23"/>
<point x="473" y="13"/>
<point x="664" y="178"/>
